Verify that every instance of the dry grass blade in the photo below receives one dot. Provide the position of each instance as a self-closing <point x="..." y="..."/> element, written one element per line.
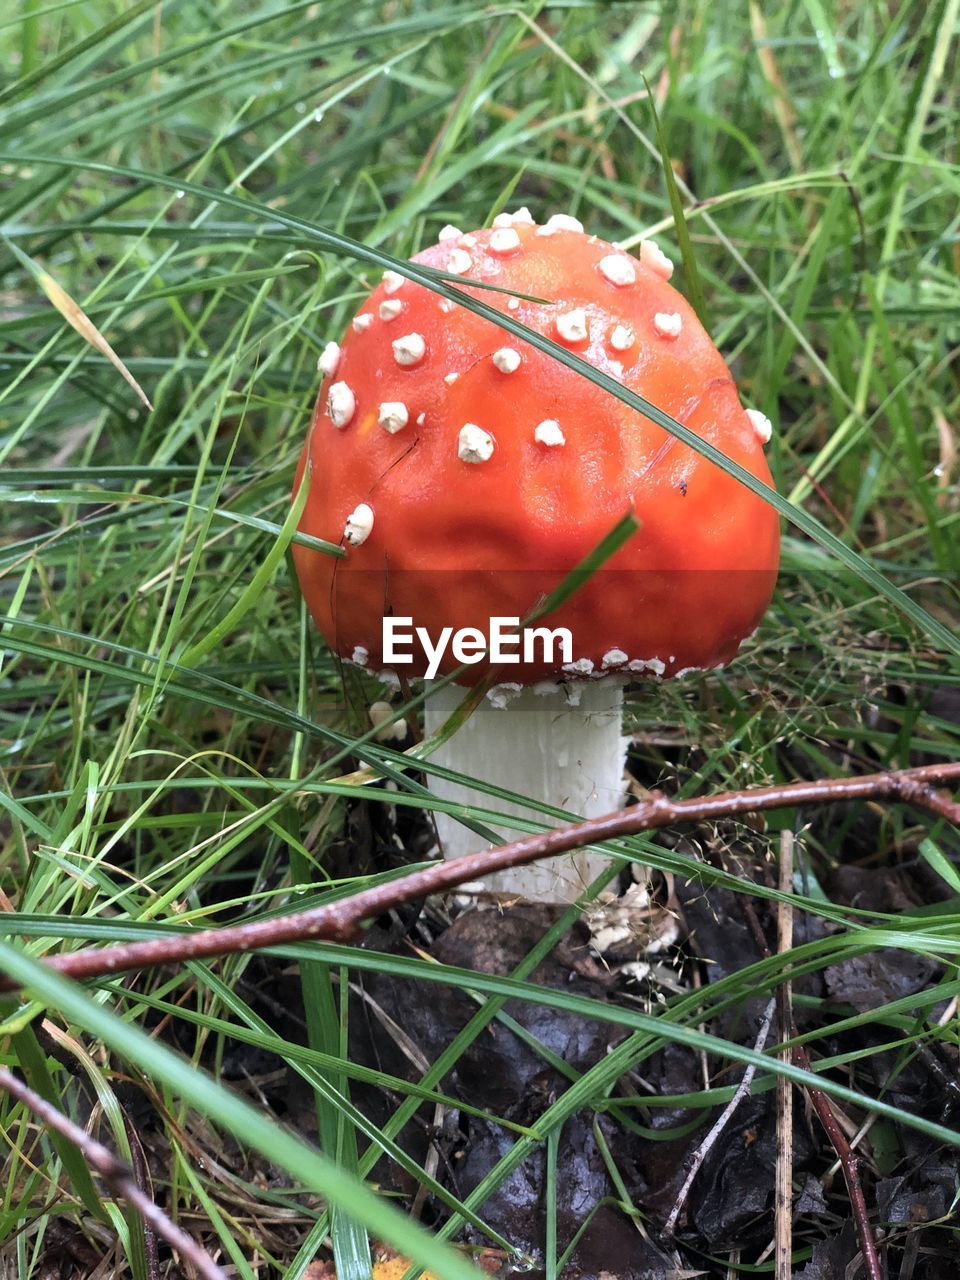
<point x="77" y="318"/>
<point x="782" y="105"/>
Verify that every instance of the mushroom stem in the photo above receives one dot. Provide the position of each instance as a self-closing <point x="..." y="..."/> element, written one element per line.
<point x="542" y="746"/>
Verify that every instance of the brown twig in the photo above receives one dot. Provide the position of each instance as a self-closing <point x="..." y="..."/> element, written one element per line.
<point x="115" y="1173"/>
<point x="824" y="1112"/>
<point x="138" y="1163"/>
<point x="701" y="1153"/>
<point x="850" y="1166"/>
<point x="340" y="921"/>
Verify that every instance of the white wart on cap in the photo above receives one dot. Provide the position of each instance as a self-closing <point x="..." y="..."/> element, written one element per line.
<point x="409" y="350"/>
<point x="571" y="326"/>
<point x="341" y="404"/>
<point x="549" y="434"/>
<point x="359" y="525"/>
<point x="474" y="444"/>
<point x="668" y="324"/>
<point x="329" y="360"/>
<point x="507" y="360"/>
<point x="652" y="256"/>
<point x="560" y="222"/>
<point x="393" y="416"/>
<point x="503" y="241"/>
<point x="762" y="426"/>
<point x="617" y="269"/>
<point x="459" y="262"/>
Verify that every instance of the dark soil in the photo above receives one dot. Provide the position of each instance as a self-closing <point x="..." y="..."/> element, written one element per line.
<point x="909" y="1180"/>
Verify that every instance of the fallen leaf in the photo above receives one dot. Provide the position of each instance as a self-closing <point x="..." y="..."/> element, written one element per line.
<point x="390" y="1266"/>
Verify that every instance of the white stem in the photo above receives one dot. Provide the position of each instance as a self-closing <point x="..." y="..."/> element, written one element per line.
<point x="539" y="746"/>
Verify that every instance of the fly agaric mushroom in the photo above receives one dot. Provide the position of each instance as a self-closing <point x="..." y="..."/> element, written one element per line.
<point x="468" y="473"/>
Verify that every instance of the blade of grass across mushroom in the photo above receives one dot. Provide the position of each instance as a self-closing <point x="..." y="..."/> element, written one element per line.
<point x="581" y="573"/>
<point x="250" y="1124"/>
<point x="339" y="243"/>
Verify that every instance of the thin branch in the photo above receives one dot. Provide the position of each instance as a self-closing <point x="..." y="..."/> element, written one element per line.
<point x="824" y="1112"/>
<point x="115" y="1173"/>
<point x="850" y="1166"/>
<point x="701" y="1153"/>
<point x="340" y="921"/>
<point x="783" y="1203"/>
<point x="138" y="1163"/>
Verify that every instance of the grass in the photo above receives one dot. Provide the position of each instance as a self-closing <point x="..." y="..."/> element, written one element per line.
<point x="212" y="186"/>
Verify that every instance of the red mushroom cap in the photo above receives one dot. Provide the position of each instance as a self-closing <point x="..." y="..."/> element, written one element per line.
<point x="466" y="473"/>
